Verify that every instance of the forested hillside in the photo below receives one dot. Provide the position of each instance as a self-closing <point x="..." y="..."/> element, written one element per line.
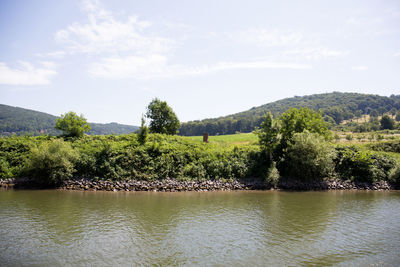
<point x="335" y="107"/>
<point x="15" y="120"/>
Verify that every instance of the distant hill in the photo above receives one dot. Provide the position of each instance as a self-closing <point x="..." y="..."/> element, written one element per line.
<point x="335" y="107"/>
<point x="15" y="120"/>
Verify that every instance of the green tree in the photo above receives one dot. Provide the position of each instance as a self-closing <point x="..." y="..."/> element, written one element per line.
<point x="398" y="116"/>
<point x="162" y="118"/>
<point x="269" y="135"/>
<point x="72" y="125"/>
<point x="143" y="132"/>
<point x="374" y="113"/>
<point x="297" y="120"/>
<point x="387" y="122"/>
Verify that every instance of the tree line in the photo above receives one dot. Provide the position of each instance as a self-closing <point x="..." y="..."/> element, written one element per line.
<point x="294" y="145"/>
<point x="334" y="107"/>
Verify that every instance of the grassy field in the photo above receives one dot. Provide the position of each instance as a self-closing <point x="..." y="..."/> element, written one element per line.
<point x="360" y="140"/>
<point x="231" y="139"/>
<point x="367" y="137"/>
<point x="349" y="138"/>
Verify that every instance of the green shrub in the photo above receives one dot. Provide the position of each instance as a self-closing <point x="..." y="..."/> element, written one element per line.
<point x="362" y="166"/>
<point x="388" y="146"/>
<point x="394" y="176"/>
<point x="5" y="171"/>
<point x="308" y="157"/>
<point x="272" y="176"/>
<point x="14" y="152"/>
<point x="194" y="170"/>
<point x="52" y="162"/>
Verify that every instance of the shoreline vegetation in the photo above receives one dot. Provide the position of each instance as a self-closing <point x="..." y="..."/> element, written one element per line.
<point x="173" y="163"/>
<point x="295" y="151"/>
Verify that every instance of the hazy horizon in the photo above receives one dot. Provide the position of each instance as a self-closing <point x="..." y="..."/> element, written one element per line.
<point x="108" y="60"/>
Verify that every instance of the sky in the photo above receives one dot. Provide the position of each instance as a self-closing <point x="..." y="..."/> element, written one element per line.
<point x="108" y="59"/>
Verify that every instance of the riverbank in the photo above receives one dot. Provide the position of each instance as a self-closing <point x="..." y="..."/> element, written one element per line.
<point x="172" y="185"/>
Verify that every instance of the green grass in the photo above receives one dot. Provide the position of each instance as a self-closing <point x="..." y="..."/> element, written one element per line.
<point x="231" y="139"/>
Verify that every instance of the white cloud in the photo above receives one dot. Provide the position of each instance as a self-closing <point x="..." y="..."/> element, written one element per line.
<point x="26" y="74"/>
<point x="287" y="45"/>
<point x="269" y="38"/>
<point x="359" y="68"/>
<point x="54" y="54"/>
<point x="103" y="33"/>
<point x="397" y="54"/>
<point x="156" y="66"/>
<point x="315" y="53"/>
<point x="129" y="67"/>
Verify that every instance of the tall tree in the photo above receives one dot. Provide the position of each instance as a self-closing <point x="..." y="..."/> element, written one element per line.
<point x="297" y="120"/>
<point x="143" y="132"/>
<point x="162" y="118"/>
<point x="268" y="135"/>
<point x="72" y="125"/>
<point x="387" y="122"/>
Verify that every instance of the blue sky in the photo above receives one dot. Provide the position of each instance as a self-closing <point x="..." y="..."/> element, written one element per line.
<point x="109" y="59"/>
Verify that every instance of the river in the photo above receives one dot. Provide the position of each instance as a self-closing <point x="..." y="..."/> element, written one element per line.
<point x="243" y="228"/>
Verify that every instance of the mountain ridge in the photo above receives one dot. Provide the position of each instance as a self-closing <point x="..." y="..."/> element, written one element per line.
<point x="334" y="106"/>
<point x="17" y="120"/>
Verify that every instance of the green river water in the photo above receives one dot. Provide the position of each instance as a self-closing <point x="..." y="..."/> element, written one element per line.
<point x="244" y="228"/>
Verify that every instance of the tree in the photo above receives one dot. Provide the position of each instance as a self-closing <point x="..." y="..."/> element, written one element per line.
<point x="143" y="132"/>
<point x="387" y="122"/>
<point x="276" y="136"/>
<point x="374" y="113"/>
<point x="162" y="118"/>
<point x="268" y="135"/>
<point x="297" y="120"/>
<point x="72" y="125"/>
<point x="398" y="116"/>
<point x="308" y="157"/>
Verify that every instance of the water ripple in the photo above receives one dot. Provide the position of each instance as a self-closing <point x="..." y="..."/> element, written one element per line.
<point x="57" y="228"/>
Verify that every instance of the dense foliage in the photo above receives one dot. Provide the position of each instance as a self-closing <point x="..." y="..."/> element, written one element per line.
<point x="387" y="146"/>
<point x="309" y="157"/>
<point x="72" y="125"/>
<point x="362" y="166"/>
<point x="269" y="134"/>
<point x="276" y="135"/>
<point x="297" y="142"/>
<point x="387" y="122"/>
<point x="298" y="120"/>
<point x="394" y="176"/>
<point x="50" y="159"/>
<point x="162" y="118"/>
<point x="52" y="162"/>
<point x="295" y="145"/>
<point x="19" y="121"/>
<point x="123" y="157"/>
<point x="334" y="107"/>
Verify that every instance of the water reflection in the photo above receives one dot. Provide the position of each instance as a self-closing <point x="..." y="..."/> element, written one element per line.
<point x="60" y="228"/>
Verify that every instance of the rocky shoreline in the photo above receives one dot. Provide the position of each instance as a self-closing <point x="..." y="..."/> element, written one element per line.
<point x="172" y="185"/>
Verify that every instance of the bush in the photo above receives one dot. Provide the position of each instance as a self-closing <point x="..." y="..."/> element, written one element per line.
<point x="5" y="171"/>
<point x="349" y="137"/>
<point x="14" y="152"/>
<point x="388" y="146"/>
<point x="308" y="157"/>
<point x="272" y="176"/>
<point x="362" y="166"/>
<point x="52" y="162"/>
<point x="394" y="176"/>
